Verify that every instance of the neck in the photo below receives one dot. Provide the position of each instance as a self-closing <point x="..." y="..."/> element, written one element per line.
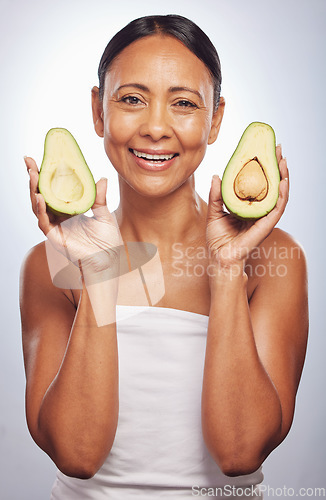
<point x="162" y="221"/>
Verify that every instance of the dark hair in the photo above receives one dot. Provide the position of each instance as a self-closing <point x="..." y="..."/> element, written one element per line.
<point x="180" y="27"/>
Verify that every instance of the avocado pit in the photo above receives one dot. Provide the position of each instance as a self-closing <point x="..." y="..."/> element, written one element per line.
<point x="251" y="183"/>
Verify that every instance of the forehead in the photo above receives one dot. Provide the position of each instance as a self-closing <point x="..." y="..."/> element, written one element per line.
<point x="157" y="61"/>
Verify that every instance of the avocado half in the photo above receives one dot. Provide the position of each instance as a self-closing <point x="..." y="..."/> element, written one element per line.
<point x="65" y="181"/>
<point x="250" y="182"/>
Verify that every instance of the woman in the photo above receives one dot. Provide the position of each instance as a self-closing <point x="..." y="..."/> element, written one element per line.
<point x="195" y="391"/>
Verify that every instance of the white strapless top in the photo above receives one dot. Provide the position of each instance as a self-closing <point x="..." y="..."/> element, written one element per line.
<point x="158" y="451"/>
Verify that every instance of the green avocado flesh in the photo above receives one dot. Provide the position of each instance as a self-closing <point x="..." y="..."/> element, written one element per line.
<point x="65" y="181"/>
<point x="250" y="182"/>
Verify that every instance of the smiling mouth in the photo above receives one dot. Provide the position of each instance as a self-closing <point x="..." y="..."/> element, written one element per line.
<point x="154" y="158"/>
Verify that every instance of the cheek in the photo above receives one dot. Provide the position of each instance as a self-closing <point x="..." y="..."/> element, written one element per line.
<point x="194" y="132"/>
<point x="114" y="137"/>
<point x="118" y="127"/>
<point x="111" y="130"/>
<point x="197" y="142"/>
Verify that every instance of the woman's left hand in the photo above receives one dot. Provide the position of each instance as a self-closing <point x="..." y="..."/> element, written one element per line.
<point x="230" y="240"/>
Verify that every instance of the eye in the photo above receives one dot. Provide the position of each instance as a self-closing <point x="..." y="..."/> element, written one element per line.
<point x="131" y="99"/>
<point x="183" y="103"/>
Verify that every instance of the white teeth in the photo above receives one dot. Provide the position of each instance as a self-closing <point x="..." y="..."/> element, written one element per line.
<point x="152" y="157"/>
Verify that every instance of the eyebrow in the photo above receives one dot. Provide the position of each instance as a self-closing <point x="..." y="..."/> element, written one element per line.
<point x="171" y="89"/>
<point x="187" y="89"/>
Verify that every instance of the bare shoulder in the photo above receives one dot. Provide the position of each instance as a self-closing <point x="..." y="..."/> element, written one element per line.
<point x="287" y="247"/>
<point x="34" y="268"/>
<point x="279" y="257"/>
<point x="34" y="258"/>
<point x="284" y="242"/>
<point x="35" y="274"/>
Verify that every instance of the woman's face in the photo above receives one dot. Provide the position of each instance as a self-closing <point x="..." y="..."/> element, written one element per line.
<point x="157" y="115"/>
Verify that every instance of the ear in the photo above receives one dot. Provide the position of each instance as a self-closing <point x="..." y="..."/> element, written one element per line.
<point x="216" y="121"/>
<point x="97" y="110"/>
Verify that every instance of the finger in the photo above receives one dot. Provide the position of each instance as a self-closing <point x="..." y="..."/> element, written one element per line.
<point x="284" y="171"/>
<point x="282" y="163"/>
<point x="283" y="198"/>
<point x="254" y="236"/>
<point x="274" y="216"/>
<point x="278" y="151"/>
<point x="264" y="226"/>
<point x="30" y="164"/>
<point x="99" y="208"/>
<point x="101" y="187"/>
<point x="284" y="188"/>
<point x="33" y="188"/>
<point x="43" y="218"/>
<point x="215" y="194"/>
<point x="215" y="201"/>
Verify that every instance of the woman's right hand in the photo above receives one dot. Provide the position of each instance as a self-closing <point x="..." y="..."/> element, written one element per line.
<point x="230" y="240"/>
<point x="90" y="242"/>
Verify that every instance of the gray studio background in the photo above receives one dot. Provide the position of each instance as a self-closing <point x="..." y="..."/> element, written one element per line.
<point x="273" y="62"/>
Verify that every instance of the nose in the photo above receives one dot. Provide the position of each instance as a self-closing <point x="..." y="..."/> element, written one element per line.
<point x="156" y="122"/>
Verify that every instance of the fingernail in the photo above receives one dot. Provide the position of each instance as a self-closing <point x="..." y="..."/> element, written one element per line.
<point x="279" y="146"/>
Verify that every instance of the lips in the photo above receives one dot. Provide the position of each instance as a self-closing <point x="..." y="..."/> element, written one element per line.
<point x="153" y="155"/>
<point x="155" y="160"/>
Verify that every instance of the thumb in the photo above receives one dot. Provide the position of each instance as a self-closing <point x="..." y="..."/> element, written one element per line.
<point x="101" y="187"/>
<point x="99" y="208"/>
<point x="215" y="202"/>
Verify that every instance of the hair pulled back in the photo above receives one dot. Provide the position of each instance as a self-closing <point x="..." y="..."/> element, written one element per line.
<point x="181" y="28"/>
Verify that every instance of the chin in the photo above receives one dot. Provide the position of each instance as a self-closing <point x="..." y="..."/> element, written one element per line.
<point x="158" y="190"/>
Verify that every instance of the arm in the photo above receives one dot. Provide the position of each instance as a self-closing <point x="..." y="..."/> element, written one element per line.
<point x="255" y="351"/>
<point x="71" y="356"/>
<point x="254" y="359"/>
<point x="71" y="371"/>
